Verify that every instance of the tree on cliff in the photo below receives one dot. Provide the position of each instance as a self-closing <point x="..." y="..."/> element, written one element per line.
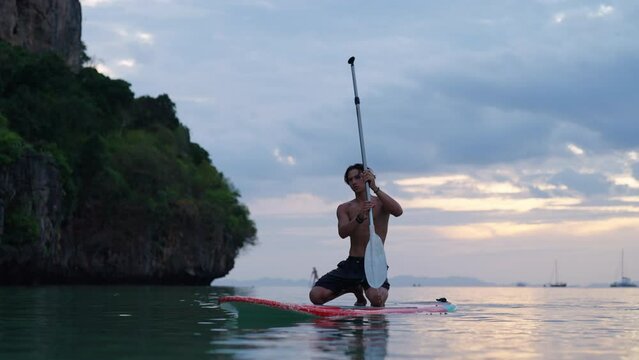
<point x="141" y="203"/>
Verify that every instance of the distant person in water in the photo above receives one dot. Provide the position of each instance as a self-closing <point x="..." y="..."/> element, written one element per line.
<point x="352" y="221"/>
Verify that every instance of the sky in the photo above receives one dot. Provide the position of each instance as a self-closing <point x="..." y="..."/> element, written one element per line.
<point x="507" y="130"/>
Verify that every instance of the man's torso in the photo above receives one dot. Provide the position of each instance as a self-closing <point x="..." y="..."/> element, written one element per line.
<point x="359" y="237"/>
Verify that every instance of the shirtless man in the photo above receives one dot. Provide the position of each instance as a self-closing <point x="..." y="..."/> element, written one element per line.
<point x="352" y="221"/>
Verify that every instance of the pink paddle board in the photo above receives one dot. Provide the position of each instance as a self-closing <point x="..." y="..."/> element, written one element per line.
<point x="252" y="304"/>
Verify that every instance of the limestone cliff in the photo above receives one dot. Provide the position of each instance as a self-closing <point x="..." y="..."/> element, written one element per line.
<point x="44" y="25"/>
<point x="94" y="247"/>
<point x="97" y="186"/>
<point x="30" y="195"/>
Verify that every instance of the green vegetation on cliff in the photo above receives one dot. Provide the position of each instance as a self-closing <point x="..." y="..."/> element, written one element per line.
<point x="12" y="146"/>
<point x="127" y="163"/>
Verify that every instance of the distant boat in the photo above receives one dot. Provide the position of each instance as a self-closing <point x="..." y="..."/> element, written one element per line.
<point x="556" y="283"/>
<point x="625" y="281"/>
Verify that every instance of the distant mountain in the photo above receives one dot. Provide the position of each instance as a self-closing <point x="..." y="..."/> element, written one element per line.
<point x="401" y="280"/>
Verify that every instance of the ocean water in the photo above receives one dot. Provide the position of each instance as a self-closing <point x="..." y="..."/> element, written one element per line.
<point x="140" y="322"/>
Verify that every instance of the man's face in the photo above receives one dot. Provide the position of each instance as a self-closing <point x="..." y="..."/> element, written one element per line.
<point x="355" y="181"/>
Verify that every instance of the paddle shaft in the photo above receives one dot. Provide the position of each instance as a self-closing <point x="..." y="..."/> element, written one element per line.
<point x="374" y="257"/>
<point x="361" y="140"/>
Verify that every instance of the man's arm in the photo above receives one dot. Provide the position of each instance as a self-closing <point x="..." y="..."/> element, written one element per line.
<point x="345" y="225"/>
<point x="389" y="204"/>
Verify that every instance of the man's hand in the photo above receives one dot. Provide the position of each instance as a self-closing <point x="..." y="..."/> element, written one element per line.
<point x="369" y="177"/>
<point x="363" y="212"/>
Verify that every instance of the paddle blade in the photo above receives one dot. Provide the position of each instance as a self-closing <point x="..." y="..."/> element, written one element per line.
<point x="375" y="262"/>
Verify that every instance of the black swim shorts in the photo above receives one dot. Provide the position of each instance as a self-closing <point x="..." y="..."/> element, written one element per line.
<point x="349" y="273"/>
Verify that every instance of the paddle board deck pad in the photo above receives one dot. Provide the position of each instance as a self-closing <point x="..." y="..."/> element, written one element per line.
<point x="257" y="306"/>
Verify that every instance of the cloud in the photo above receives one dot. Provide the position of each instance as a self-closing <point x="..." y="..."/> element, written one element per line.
<point x="130" y="36"/>
<point x="291" y="205"/>
<point x="516" y="205"/>
<point x="457" y="184"/>
<point x="633" y="158"/>
<point x="483" y="231"/>
<point x="283" y="159"/>
<point x="631" y="199"/>
<point x="556" y="184"/>
<point x="559" y="18"/>
<point x="128" y="63"/>
<point x="433" y="180"/>
<point x="103" y="69"/>
<point x="603" y="10"/>
<point x="95" y="3"/>
<point x="584" y="183"/>
<point x="574" y="149"/>
<point x="563" y="229"/>
<point x="509" y="98"/>
<point x="626" y="180"/>
<point x="144" y="37"/>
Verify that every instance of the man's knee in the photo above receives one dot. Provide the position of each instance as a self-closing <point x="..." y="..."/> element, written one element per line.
<point x="377" y="300"/>
<point x="319" y="295"/>
<point x="377" y="297"/>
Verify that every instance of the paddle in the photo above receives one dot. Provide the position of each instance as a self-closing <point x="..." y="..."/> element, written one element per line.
<point x="374" y="256"/>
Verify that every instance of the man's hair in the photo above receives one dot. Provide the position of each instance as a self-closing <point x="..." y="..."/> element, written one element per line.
<point x="357" y="166"/>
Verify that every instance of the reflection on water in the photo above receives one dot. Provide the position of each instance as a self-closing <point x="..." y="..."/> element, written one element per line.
<point x="186" y="323"/>
<point x="352" y="338"/>
<point x="347" y="338"/>
<point x="253" y="336"/>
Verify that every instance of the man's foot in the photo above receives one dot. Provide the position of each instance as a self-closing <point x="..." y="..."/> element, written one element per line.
<point x="358" y="291"/>
<point x="359" y="295"/>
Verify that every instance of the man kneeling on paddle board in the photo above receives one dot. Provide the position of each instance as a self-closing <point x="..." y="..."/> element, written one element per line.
<point x="353" y="222"/>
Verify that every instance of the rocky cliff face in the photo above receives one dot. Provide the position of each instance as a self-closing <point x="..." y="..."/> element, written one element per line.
<point x="44" y="25"/>
<point x="31" y="198"/>
<point x="93" y="247"/>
